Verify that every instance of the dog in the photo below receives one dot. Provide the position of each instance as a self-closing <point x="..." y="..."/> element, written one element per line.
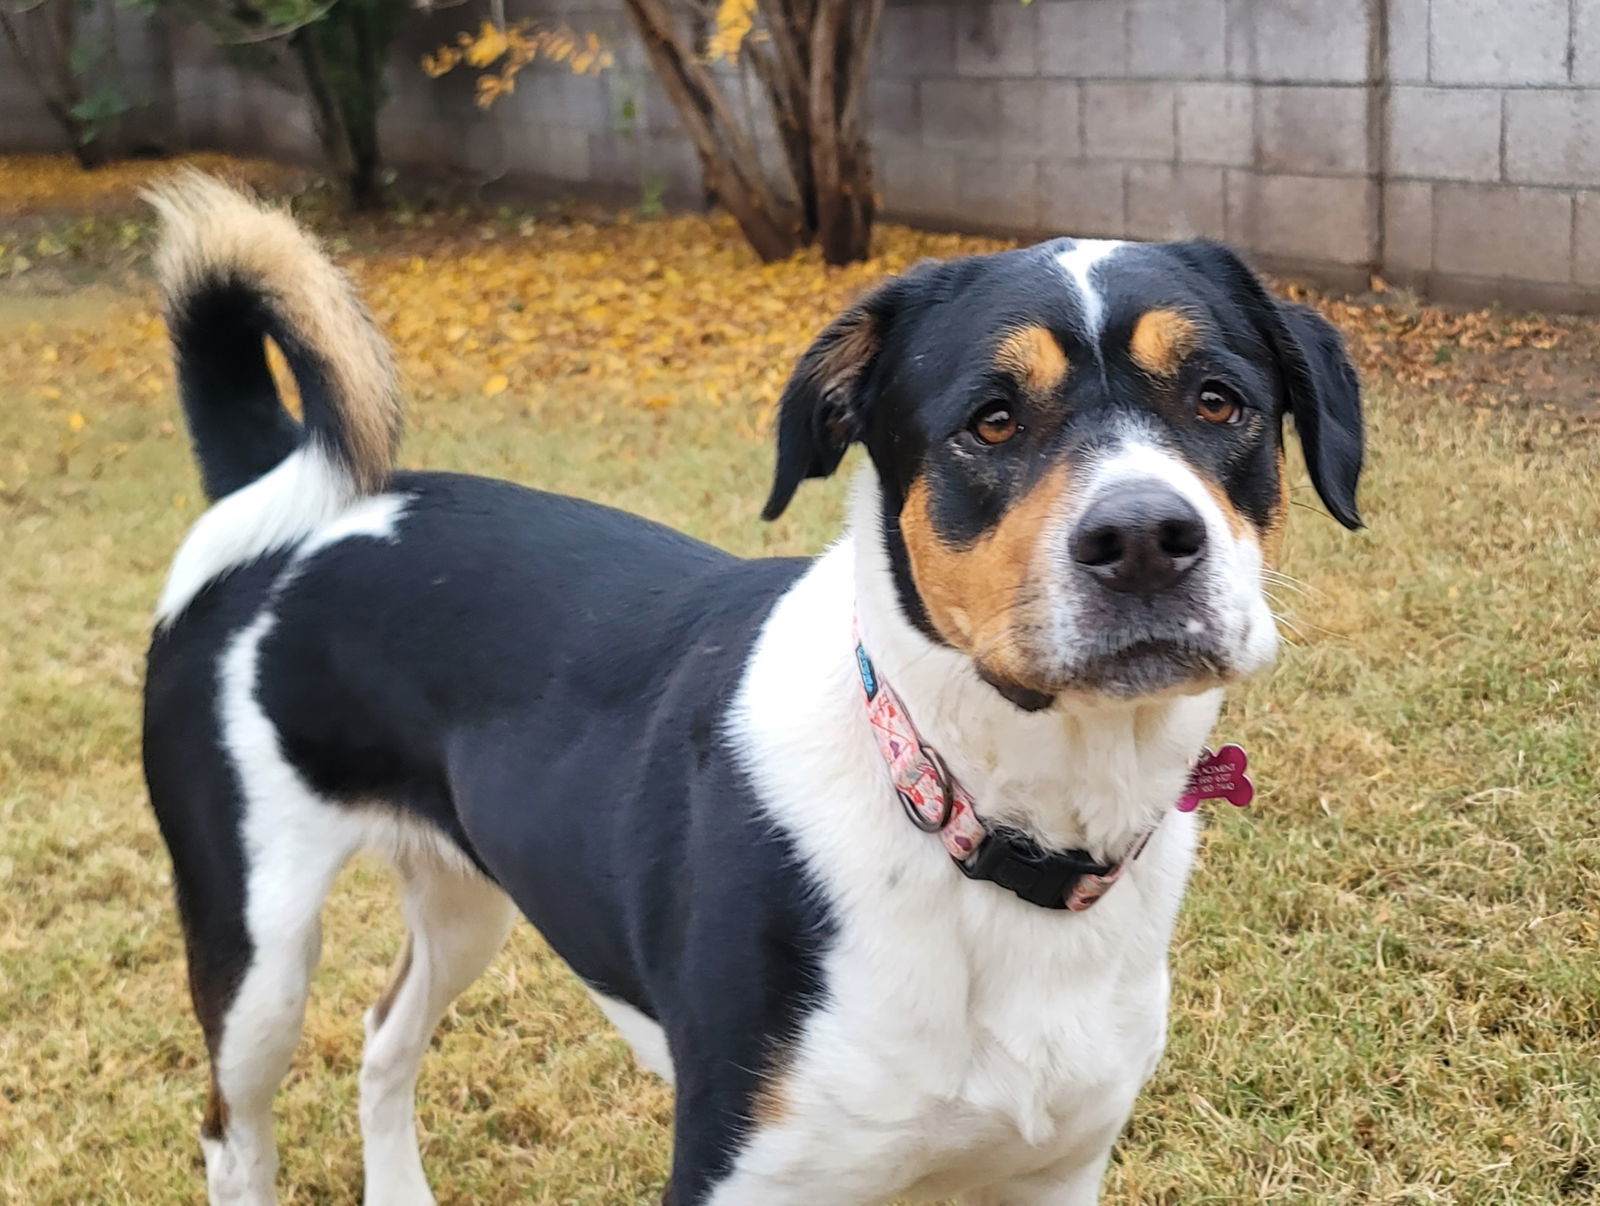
<point x="875" y="856"/>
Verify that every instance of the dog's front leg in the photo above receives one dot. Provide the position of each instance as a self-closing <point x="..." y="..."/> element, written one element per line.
<point x="1072" y="1183"/>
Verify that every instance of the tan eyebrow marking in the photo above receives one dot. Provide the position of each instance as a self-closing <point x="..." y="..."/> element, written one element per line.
<point x="1032" y="355"/>
<point x="1161" y="339"/>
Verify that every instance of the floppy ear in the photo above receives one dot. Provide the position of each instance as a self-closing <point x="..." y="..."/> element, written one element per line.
<point x="824" y="407"/>
<point x="1320" y="384"/>
<point x="1325" y="399"/>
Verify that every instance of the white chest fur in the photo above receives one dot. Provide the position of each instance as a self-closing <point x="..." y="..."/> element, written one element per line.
<point x="969" y="1038"/>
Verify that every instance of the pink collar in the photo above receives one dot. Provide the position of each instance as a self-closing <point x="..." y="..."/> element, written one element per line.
<point x="936" y="803"/>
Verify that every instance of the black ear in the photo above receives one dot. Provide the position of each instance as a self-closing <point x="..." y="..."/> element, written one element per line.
<point x="1325" y="399"/>
<point x="824" y="407"/>
<point x="1320" y="384"/>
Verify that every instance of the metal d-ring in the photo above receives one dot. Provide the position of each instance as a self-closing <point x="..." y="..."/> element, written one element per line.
<point x="946" y="792"/>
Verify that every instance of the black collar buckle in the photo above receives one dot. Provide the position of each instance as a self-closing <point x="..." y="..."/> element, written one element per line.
<point x="1016" y="862"/>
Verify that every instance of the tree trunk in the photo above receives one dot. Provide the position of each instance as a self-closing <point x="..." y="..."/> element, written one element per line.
<point x="786" y="75"/>
<point x="347" y="132"/>
<point x="90" y="154"/>
<point x="41" y="40"/>
<point x="841" y="160"/>
<point x="729" y="160"/>
<point x="361" y="111"/>
<point x="812" y="65"/>
<point x="327" y="118"/>
<point x="341" y="61"/>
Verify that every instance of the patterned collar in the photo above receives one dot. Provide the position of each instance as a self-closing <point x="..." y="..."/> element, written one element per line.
<point x="935" y="803"/>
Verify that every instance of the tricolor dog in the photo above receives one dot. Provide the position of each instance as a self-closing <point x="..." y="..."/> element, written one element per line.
<point x="875" y="856"/>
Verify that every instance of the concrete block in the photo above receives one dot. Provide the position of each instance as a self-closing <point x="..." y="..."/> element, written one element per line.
<point x="480" y="150"/>
<point x="1502" y="231"/>
<point x="585" y="102"/>
<point x="1015" y="125"/>
<point x="1310" y="130"/>
<point x="917" y="40"/>
<point x="999" y="192"/>
<point x="1586" y="236"/>
<point x="1307" y="219"/>
<point x="1408" y="41"/>
<point x="289" y="131"/>
<point x="1130" y="121"/>
<point x="1216" y="123"/>
<point x="1445" y="133"/>
<point x="670" y="162"/>
<point x="1083" y="39"/>
<point x="1085" y="198"/>
<point x="562" y="153"/>
<point x="562" y="99"/>
<point x="1060" y="119"/>
<point x="892" y="108"/>
<point x="917" y="183"/>
<point x="524" y="148"/>
<point x="1298" y="41"/>
<point x="1176" y="201"/>
<point x="1493" y="42"/>
<point x="656" y="112"/>
<point x="629" y="98"/>
<point x="1586" y="42"/>
<point x="1408" y="227"/>
<point x="188" y="80"/>
<point x="1553" y="137"/>
<point x="424" y="143"/>
<point x="997" y="38"/>
<point x="1177" y="39"/>
<point x="959" y="111"/>
<point x="614" y="159"/>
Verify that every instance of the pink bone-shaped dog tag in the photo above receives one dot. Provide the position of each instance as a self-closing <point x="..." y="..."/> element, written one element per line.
<point x="1219" y="776"/>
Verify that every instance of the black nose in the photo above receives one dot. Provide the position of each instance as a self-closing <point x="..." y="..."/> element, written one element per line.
<point x="1140" y="539"/>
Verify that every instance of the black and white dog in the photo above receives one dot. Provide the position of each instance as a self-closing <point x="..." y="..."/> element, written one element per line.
<point x="738" y="797"/>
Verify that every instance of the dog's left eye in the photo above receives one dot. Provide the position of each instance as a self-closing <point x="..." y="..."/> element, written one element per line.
<point x="1218" y="404"/>
<point x="995" y="424"/>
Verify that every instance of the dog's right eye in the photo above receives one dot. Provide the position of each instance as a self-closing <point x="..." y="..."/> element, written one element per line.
<point x="995" y="424"/>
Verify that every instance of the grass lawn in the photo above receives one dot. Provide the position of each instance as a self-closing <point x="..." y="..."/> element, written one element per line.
<point x="1387" y="975"/>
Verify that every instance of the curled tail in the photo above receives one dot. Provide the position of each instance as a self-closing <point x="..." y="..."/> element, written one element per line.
<point x="233" y="273"/>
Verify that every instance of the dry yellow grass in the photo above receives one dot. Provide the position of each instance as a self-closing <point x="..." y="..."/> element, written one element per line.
<point x="1388" y="972"/>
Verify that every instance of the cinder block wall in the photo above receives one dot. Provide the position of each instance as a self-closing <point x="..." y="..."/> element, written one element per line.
<point x="1242" y="119"/>
<point x="1449" y="144"/>
<point x="1494" y="149"/>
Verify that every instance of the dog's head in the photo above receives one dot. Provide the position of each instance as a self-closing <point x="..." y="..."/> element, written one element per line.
<point x="1080" y="450"/>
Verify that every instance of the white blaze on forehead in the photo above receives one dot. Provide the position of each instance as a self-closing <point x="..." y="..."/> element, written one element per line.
<point x="1079" y="263"/>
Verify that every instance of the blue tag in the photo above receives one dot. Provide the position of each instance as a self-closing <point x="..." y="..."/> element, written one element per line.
<point x="869" y="680"/>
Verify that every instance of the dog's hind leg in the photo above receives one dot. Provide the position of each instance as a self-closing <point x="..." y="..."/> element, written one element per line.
<point x="457" y="922"/>
<point x="260" y="1027"/>
<point x="254" y="851"/>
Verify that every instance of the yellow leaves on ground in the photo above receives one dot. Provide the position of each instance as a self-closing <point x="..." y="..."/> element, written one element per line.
<point x="671" y="311"/>
<point x="55" y="183"/>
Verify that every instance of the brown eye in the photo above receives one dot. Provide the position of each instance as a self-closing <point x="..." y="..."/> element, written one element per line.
<point x="995" y="425"/>
<point x="1218" y="405"/>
